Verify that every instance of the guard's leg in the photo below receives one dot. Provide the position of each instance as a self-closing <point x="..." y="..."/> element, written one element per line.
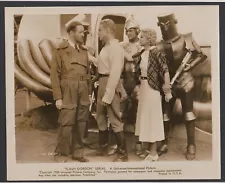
<point x="124" y="109"/>
<point x="138" y="143"/>
<point x="191" y="147"/>
<point x="189" y="117"/>
<point x="88" y="143"/>
<point x="167" y="112"/>
<point x="133" y="117"/>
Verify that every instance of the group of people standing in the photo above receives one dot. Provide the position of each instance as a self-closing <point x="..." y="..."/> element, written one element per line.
<point x="142" y="68"/>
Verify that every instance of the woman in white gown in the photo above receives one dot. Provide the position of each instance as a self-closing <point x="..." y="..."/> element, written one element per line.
<point x="153" y="77"/>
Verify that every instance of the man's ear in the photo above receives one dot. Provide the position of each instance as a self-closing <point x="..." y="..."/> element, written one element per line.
<point x="70" y="33"/>
<point x="138" y="31"/>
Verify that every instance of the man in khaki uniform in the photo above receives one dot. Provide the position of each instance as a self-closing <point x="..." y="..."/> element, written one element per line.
<point x="70" y="78"/>
<point x="110" y="64"/>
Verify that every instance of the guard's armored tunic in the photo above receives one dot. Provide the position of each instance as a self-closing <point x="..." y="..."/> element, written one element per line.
<point x="129" y="107"/>
<point x="129" y="66"/>
<point x="69" y="76"/>
<point x="175" y="50"/>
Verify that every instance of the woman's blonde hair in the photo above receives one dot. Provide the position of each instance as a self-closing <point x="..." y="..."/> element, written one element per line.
<point x="151" y="35"/>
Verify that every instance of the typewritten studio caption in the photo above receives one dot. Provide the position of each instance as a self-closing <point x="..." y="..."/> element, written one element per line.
<point x="96" y="171"/>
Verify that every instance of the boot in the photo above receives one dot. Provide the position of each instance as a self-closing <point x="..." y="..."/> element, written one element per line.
<point x="138" y="149"/>
<point x="112" y="143"/>
<point x="103" y="143"/>
<point x="78" y="155"/>
<point x="191" y="146"/>
<point x="85" y="140"/>
<point x="163" y="148"/>
<point x="122" y="151"/>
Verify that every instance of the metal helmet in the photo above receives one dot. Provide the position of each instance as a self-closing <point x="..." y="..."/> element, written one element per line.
<point x="167" y="24"/>
<point x="132" y="23"/>
<point x="167" y="17"/>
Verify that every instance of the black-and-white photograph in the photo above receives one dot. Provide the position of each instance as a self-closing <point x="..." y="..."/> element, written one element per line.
<point x="133" y="85"/>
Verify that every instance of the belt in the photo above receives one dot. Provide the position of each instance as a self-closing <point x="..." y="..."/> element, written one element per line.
<point x="103" y="75"/>
<point x="77" y="77"/>
<point x="143" y="78"/>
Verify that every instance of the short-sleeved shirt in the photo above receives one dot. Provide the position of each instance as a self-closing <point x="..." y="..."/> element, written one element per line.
<point x="111" y="62"/>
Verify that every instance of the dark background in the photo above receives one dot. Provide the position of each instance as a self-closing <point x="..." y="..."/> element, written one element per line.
<point x="3" y="162"/>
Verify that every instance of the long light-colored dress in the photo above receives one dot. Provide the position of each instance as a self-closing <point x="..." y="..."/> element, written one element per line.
<point x="149" y="123"/>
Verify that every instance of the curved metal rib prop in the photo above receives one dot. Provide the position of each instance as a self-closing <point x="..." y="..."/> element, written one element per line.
<point x="38" y="89"/>
<point x="27" y="63"/>
<point x="47" y="50"/>
<point x="38" y="58"/>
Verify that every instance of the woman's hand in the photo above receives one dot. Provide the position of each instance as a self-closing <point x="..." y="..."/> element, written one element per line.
<point x="187" y="67"/>
<point x="166" y="87"/>
<point x="136" y="91"/>
<point x="168" y="96"/>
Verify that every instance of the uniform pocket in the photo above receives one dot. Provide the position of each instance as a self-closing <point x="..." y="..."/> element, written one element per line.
<point x="69" y="94"/>
<point x="67" y="59"/>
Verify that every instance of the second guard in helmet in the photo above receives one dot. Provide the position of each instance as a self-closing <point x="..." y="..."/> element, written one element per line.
<point x="131" y="47"/>
<point x="176" y="46"/>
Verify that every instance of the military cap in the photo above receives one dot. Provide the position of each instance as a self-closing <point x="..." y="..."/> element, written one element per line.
<point x="79" y="19"/>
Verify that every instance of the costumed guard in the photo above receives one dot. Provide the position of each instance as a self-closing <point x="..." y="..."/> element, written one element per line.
<point x="131" y="47"/>
<point x="183" y="54"/>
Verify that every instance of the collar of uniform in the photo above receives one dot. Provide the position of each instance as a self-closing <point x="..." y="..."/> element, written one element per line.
<point x="75" y="46"/>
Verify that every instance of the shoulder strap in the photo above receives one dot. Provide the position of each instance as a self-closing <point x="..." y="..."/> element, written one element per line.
<point x="62" y="44"/>
<point x="84" y="47"/>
